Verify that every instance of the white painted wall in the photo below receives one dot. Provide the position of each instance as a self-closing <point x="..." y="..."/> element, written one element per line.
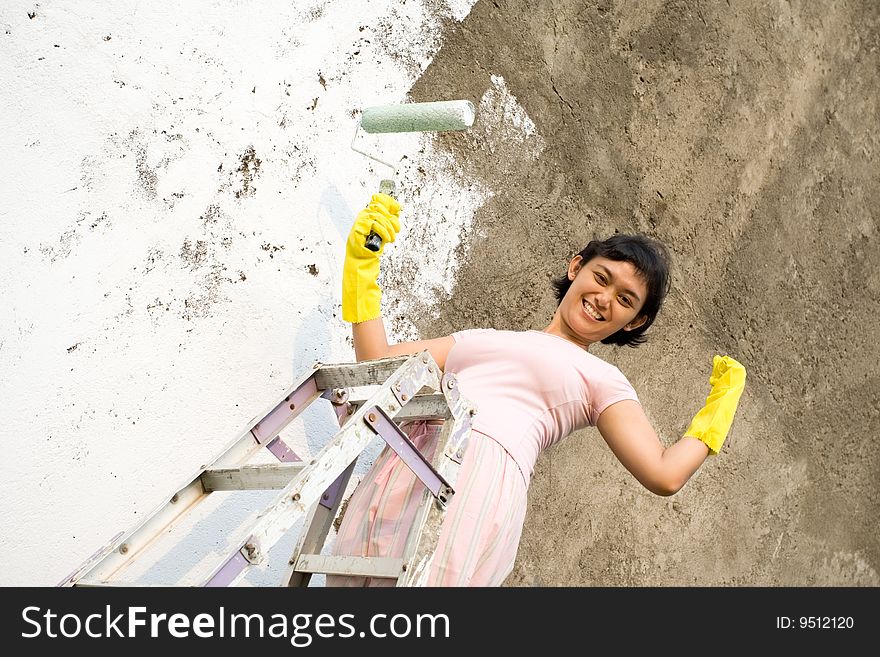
<point x="176" y="187"/>
<point x="177" y="184"/>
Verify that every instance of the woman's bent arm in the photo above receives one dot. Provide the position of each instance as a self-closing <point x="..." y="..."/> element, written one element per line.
<point x="370" y="342"/>
<point x="662" y="470"/>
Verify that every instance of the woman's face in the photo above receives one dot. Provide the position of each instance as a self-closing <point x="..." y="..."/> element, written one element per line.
<point x="605" y="296"/>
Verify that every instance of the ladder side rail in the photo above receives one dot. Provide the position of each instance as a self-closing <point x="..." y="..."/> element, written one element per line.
<point x="125" y="547"/>
<point x="323" y="513"/>
<point x="452" y="443"/>
<point x="264" y="429"/>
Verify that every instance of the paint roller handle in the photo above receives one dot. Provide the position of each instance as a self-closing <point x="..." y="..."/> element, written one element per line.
<point x="374" y="242"/>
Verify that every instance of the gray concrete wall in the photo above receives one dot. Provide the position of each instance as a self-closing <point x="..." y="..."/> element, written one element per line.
<point x="744" y="135"/>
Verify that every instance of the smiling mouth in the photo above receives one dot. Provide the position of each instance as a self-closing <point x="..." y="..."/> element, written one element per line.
<point x="592" y="312"/>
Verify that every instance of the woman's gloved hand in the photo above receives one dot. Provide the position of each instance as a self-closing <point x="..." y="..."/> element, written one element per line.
<point x="712" y="423"/>
<point x="361" y="295"/>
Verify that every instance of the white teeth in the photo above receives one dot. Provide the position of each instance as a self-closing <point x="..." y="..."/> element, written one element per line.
<point x="592" y="311"/>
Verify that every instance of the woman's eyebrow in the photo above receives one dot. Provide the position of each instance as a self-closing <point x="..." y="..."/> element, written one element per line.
<point x="610" y="275"/>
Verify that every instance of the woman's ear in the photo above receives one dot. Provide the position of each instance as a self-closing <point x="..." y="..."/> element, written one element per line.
<point x="574" y="267"/>
<point x="636" y="323"/>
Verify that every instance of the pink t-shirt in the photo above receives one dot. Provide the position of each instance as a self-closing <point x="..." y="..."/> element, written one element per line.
<point x="531" y="388"/>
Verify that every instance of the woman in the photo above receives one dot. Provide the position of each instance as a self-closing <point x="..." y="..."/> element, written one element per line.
<point x="531" y="389"/>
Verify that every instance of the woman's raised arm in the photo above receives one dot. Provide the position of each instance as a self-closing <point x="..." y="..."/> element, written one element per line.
<point x="664" y="470"/>
<point x="361" y="294"/>
<point x="629" y="434"/>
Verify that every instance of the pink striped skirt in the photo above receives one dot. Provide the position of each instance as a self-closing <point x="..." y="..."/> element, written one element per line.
<point x="483" y="524"/>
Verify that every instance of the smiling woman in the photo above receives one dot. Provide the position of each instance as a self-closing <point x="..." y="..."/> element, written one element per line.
<point x="627" y="281"/>
<point x="531" y="389"/>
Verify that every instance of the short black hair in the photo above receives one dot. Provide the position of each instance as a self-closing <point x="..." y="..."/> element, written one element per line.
<point x="651" y="260"/>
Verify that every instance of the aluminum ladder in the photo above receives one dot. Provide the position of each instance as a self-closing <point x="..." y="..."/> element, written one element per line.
<point x="403" y="388"/>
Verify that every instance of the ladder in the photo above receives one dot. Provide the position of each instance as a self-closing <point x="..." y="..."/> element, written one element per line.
<point x="403" y="388"/>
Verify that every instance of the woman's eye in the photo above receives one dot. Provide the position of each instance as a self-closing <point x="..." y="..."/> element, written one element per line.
<point x="625" y="301"/>
<point x="600" y="278"/>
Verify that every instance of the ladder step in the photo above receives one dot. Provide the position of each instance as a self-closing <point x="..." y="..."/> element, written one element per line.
<point x="269" y="476"/>
<point x="349" y="375"/>
<point x="94" y="582"/>
<point x="421" y="407"/>
<point x="357" y="566"/>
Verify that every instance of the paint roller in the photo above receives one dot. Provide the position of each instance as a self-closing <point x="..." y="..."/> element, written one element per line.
<point x="438" y="116"/>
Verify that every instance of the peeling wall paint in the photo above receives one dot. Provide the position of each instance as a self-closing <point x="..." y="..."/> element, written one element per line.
<point x="177" y="188"/>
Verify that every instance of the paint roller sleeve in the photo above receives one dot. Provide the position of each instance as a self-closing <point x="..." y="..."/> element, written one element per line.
<point x="419" y="117"/>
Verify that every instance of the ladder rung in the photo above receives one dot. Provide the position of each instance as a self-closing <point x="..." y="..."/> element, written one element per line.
<point x="349" y="375"/>
<point x="429" y="407"/>
<point x="269" y="476"/>
<point x="357" y="566"/>
<point x="95" y="582"/>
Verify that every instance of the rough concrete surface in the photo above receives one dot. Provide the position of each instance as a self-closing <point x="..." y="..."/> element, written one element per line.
<point x="744" y="135"/>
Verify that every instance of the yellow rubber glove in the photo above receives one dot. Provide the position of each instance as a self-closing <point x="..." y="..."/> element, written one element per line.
<point x="361" y="295"/>
<point x="712" y="423"/>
